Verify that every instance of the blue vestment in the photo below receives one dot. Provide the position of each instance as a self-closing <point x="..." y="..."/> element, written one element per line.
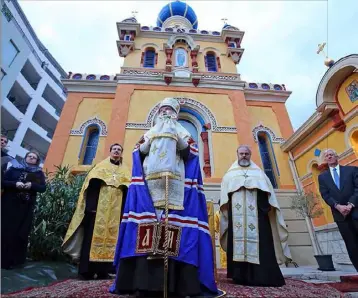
<point x="195" y="246"/>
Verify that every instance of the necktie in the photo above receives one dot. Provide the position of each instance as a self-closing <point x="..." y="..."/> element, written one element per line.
<point x="336" y="177"/>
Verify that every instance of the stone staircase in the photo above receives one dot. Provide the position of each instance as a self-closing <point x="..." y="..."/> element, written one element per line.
<point x="299" y="240"/>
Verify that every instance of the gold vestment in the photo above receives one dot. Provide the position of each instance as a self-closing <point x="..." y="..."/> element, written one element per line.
<point x="108" y="214"/>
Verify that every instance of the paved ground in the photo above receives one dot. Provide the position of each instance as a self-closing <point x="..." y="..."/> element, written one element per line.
<point x="35" y="274"/>
<point x="311" y="274"/>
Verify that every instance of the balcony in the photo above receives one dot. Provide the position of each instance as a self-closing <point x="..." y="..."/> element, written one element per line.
<point x="33" y="141"/>
<point x="45" y="120"/>
<point x="9" y="124"/>
<point x="30" y="74"/>
<point x="53" y="99"/>
<point x="19" y="98"/>
<point x="57" y="81"/>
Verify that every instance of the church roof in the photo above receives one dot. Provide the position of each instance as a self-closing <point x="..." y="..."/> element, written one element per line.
<point x="177" y="8"/>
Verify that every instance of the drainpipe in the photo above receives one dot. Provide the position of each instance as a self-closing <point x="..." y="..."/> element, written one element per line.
<point x="310" y="228"/>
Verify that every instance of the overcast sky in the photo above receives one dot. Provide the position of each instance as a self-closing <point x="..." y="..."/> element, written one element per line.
<point x="280" y="42"/>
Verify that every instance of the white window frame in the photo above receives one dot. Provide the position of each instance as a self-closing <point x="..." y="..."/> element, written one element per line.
<point x="12" y="43"/>
<point x="3" y="74"/>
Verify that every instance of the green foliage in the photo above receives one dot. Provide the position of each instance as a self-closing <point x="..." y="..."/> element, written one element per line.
<point x="306" y="205"/>
<point x="53" y="213"/>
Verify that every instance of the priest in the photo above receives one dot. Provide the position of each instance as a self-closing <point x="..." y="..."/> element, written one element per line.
<point x="92" y="234"/>
<point x="166" y="174"/>
<point x="252" y="230"/>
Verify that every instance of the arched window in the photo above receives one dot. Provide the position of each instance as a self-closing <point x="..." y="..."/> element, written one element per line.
<point x="190" y="127"/>
<point x="267" y="156"/>
<point x="149" y="58"/>
<point x="91" y="145"/>
<point x="354" y="141"/>
<point x="210" y="62"/>
<point x="181" y="57"/>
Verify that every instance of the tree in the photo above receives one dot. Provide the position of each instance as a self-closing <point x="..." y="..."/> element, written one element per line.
<point x="53" y="212"/>
<point x="307" y="205"/>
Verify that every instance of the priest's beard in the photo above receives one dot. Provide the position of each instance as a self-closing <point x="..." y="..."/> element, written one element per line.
<point x="244" y="162"/>
<point x="168" y="114"/>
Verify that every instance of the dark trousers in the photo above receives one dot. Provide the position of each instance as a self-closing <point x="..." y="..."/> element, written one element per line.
<point x="349" y="231"/>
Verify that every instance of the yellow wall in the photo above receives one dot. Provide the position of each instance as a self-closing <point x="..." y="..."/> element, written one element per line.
<point x="267" y="117"/>
<point x="88" y="109"/>
<point x="343" y="98"/>
<point x="335" y="140"/>
<point x="224" y="144"/>
<point x="133" y="59"/>
<point x="306" y="164"/>
<point x="142" y="101"/>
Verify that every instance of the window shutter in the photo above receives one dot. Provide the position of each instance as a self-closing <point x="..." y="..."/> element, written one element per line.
<point x="211" y="62"/>
<point x="149" y="59"/>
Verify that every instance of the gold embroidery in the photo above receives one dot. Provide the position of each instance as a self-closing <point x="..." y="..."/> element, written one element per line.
<point x="164" y="135"/>
<point x="154" y="149"/>
<point x="108" y="211"/>
<point x="162" y="155"/>
<point x="161" y="175"/>
<point x="252" y="227"/>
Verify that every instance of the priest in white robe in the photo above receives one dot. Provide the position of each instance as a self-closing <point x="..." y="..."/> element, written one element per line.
<point x="252" y="230"/>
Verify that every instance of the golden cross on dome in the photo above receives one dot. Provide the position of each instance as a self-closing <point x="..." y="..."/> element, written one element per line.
<point x="224" y="20"/>
<point x="134" y="12"/>
<point x="320" y="48"/>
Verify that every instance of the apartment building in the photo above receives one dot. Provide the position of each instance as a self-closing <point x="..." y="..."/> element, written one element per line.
<point x="32" y="95"/>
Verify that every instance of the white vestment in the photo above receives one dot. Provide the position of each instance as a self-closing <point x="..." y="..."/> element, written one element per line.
<point x="243" y="183"/>
<point x="163" y="160"/>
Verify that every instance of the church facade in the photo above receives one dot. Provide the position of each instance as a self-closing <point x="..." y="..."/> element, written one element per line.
<point x="220" y="110"/>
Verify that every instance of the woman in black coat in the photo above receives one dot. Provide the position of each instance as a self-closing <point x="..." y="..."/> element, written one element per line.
<point x="20" y="183"/>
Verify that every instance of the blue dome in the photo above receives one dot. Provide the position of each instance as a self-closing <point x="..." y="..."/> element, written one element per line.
<point x="177" y="8"/>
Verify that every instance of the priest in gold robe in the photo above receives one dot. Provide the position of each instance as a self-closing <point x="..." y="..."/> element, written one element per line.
<point x="92" y="234"/>
<point x="252" y="230"/>
<point x="223" y="264"/>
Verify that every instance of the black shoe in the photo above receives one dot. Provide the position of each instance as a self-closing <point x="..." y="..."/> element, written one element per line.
<point x="103" y="276"/>
<point x="85" y="276"/>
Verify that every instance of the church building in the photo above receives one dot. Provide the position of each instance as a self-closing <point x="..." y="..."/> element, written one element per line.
<point x="174" y="58"/>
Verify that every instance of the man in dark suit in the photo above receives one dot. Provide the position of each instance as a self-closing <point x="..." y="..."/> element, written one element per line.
<point x="339" y="188"/>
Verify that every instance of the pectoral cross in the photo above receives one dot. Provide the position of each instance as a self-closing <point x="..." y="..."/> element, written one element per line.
<point x="114" y="177"/>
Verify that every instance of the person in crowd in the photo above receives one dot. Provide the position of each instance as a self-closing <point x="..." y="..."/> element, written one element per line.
<point x="5" y="157"/>
<point x="252" y="230"/>
<point x="166" y="174"/>
<point x="20" y="183"/>
<point x="92" y="234"/>
<point x="339" y="189"/>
